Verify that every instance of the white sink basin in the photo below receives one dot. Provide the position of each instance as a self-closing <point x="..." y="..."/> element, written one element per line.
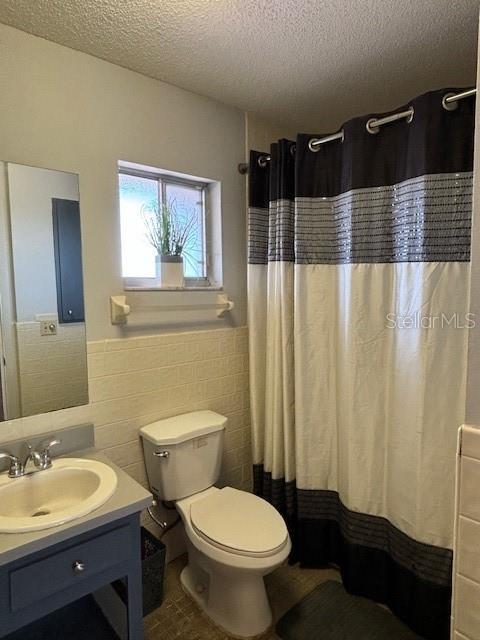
<point x="71" y="488"/>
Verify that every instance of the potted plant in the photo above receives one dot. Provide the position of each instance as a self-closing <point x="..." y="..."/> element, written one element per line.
<point x="169" y="233"/>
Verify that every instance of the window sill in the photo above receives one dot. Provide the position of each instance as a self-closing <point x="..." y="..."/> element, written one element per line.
<point x="192" y="288"/>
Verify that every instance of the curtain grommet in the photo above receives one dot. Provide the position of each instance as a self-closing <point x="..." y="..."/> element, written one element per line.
<point x="315" y="143"/>
<point x="263" y="161"/>
<point x="449" y="106"/>
<point x="371" y="128"/>
<point x="373" y="125"/>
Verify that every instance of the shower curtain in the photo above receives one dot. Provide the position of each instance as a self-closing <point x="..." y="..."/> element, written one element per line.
<point x="358" y="283"/>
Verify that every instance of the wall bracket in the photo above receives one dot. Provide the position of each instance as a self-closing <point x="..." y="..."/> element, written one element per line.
<point x="119" y="309"/>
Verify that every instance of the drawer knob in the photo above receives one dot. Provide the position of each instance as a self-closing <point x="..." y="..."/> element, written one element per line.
<point x="78" y="566"/>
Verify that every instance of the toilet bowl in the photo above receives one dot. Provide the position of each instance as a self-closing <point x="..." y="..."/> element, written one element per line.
<point x="233" y="537"/>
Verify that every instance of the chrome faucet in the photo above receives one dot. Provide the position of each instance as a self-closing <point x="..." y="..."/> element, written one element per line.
<point x="33" y="457"/>
<point x="40" y="459"/>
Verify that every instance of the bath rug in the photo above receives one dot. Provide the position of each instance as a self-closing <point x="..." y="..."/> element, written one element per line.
<point x="330" y="613"/>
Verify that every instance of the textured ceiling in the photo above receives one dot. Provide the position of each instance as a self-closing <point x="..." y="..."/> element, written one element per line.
<point x="310" y="64"/>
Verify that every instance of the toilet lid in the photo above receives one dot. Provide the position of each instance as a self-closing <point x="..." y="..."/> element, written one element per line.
<point x="239" y="521"/>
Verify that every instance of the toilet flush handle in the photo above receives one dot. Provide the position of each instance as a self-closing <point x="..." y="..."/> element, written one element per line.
<point x="162" y="454"/>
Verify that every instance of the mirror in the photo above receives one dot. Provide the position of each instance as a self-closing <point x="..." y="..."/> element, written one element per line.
<point x="43" y="360"/>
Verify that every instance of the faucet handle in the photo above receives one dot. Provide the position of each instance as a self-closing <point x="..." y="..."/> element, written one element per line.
<point x="47" y="444"/>
<point x="44" y="451"/>
<point x="16" y="467"/>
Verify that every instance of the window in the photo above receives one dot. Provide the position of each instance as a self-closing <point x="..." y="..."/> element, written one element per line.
<point x="145" y="194"/>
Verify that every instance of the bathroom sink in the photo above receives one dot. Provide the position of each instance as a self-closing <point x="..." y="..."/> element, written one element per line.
<point x="71" y="488"/>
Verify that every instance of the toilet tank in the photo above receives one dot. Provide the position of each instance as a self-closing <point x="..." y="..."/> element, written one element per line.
<point x="183" y="454"/>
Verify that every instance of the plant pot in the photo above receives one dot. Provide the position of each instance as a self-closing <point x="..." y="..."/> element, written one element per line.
<point x="169" y="270"/>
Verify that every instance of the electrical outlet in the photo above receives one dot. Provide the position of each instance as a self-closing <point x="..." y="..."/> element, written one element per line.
<point x="48" y="328"/>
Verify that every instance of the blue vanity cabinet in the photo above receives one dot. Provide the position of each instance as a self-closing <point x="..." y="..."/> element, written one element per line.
<point x="41" y="582"/>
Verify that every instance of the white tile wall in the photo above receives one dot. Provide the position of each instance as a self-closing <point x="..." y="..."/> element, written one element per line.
<point x="467" y="609"/>
<point x="468" y="563"/>
<point x="52" y="369"/>
<point x="466" y="581"/>
<point x="135" y="381"/>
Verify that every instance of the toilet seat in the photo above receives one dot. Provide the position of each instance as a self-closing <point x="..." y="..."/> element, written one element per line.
<point x="239" y="522"/>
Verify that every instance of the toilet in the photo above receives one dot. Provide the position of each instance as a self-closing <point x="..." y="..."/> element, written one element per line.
<point x="234" y="538"/>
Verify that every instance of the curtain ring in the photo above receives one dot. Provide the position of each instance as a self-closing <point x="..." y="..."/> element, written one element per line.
<point x="312" y="145"/>
<point x="263" y="161"/>
<point x="293" y="149"/>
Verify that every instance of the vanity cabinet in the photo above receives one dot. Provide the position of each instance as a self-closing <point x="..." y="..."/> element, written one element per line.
<point x="41" y="582"/>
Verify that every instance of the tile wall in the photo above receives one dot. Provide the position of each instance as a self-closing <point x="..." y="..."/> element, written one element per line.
<point x="466" y="584"/>
<point x="135" y="381"/>
<point x="52" y="369"/>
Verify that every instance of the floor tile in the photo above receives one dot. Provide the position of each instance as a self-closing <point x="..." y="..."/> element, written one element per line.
<point x="179" y="618"/>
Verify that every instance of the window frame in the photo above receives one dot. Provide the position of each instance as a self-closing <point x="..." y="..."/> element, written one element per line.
<point x="164" y="179"/>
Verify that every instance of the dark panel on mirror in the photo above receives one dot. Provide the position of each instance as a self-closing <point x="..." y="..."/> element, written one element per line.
<point x="68" y="260"/>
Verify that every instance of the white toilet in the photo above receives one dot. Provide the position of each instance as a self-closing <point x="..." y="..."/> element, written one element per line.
<point x="233" y="538"/>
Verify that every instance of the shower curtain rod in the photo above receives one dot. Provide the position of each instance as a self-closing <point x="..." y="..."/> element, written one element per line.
<point x="373" y="125"/>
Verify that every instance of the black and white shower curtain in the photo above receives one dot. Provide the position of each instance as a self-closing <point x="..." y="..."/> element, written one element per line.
<point x="358" y="318"/>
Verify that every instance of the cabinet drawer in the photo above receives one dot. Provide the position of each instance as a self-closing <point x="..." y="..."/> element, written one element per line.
<point x="61" y="570"/>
